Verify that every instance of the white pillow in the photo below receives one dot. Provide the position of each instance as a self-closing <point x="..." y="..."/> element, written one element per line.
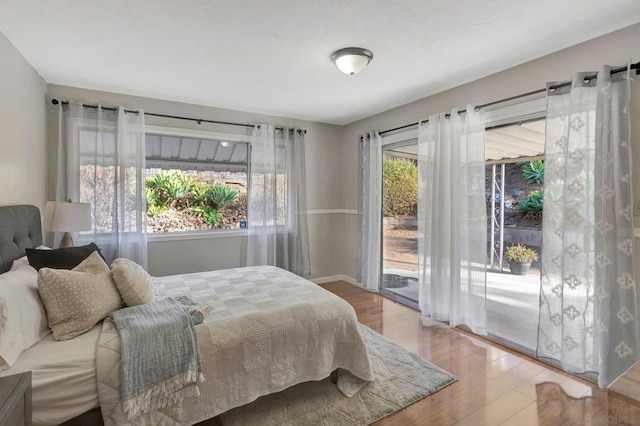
<point x="23" y="260"/>
<point x="23" y="320"/>
<point x="133" y="282"/>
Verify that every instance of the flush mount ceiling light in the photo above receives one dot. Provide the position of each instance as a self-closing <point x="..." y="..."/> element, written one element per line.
<point x="352" y="60"/>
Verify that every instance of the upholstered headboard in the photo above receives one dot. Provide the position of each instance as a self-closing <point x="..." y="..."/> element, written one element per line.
<point x="20" y="228"/>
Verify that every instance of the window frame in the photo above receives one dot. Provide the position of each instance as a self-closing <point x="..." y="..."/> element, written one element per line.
<point x="200" y="134"/>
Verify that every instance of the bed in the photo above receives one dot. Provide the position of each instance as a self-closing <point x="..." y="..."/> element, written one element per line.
<point x="265" y="330"/>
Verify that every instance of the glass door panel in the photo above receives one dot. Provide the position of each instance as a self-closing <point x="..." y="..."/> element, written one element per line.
<point x="514" y="190"/>
<point x="399" y="222"/>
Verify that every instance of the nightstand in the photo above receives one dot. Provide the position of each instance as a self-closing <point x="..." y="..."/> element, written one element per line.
<point x="15" y="400"/>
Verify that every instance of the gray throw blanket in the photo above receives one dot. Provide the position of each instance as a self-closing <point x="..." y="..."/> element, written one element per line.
<point x="160" y="354"/>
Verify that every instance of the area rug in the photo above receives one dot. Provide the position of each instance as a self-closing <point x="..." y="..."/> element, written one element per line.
<point x="402" y="378"/>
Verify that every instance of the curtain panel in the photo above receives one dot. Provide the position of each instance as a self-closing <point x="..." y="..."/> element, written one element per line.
<point x="277" y="205"/>
<point x="370" y="211"/>
<point x="452" y="219"/>
<point x="588" y="313"/>
<point x="101" y="161"/>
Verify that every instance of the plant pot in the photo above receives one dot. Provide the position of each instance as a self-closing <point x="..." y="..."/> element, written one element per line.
<point x="519" y="268"/>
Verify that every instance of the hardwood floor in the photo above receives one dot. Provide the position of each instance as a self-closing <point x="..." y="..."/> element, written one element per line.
<point x="629" y="383"/>
<point x="496" y="386"/>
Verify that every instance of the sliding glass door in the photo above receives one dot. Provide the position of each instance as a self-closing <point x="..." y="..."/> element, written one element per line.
<point x="514" y="191"/>
<point x="514" y="200"/>
<point x="399" y="222"/>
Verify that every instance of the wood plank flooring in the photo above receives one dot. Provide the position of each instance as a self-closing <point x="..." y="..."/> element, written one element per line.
<point x="629" y="383"/>
<point x="496" y="386"/>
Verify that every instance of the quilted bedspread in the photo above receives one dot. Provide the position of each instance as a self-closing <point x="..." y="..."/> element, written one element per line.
<point x="265" y="329"/>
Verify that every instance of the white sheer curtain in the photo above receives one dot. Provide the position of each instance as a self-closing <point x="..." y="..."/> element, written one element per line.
<point x="370" y="211"/>
<point x="588" y="314"/>
<point x="452" y="222"/>
<point x="101" y="161"/>
<point x="277" y="205"/>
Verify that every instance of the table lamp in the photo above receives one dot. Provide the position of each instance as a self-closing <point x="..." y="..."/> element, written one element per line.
<point x="67" y="217"/>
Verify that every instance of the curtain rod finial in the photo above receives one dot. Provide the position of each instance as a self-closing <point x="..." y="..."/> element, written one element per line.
<point x="55" y="101"/>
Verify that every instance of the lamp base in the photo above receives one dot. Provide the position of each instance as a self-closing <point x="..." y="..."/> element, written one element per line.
<point x="67" y="241"/>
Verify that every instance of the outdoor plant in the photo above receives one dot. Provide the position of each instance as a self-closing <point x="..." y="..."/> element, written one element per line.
<point x="154" y="208"/>
<point x="400" y="197"/>
<point x="532" y="205"/>
<point x="182" y="192"/>
<point x="520" y="253"/>
<point x="533" y="172"/>
<point x="208" y="213"/>
<point x="222" y="195"/>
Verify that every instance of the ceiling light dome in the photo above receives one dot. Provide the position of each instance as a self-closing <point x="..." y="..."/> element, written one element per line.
<point x="352" y="60"/>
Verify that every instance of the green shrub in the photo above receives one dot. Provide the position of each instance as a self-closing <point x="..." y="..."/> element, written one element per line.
<point x="208" y="213"/>
<point x="222" y="195"/>
<point x="170" y="188"/>
<point x="177" y="190"/>
<point x="533" y="172"/>
<point x="532" y="205"/>
<point x="400" y="194"/>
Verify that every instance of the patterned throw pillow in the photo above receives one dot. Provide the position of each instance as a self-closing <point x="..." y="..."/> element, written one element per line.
<point x="77" y="299"/>
<point x="132" y="281"/>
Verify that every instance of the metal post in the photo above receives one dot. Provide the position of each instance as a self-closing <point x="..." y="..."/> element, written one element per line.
<point x="502" y="197"/>
<point x="493" y="212"/>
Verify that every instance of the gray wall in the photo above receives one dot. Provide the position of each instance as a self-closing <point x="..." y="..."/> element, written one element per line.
<point x="27" y="163"/>
<point x="323" y="141"/>
<point x="22" y="120"/>
<point x="615" y="49"/>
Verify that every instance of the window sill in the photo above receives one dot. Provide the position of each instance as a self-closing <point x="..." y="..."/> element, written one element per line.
<point x="195" y="235"/>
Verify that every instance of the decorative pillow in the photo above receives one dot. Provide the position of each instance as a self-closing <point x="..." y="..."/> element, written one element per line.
<point x="23" y="320"/>
<point x="62" y="258"/>
<point x="78" y="299"/>
<point x="23" y="260"/>
<point x="132" y="281"/>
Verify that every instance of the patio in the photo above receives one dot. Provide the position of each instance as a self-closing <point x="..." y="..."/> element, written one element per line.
<point x="512" y="300"/>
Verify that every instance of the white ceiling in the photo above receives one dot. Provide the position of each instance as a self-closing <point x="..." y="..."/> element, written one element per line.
<point x="272" y="56"/>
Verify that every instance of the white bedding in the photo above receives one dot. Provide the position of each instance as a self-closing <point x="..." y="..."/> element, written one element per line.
<point x="265" y="330"/>
<point x="309" y="329"/>
<point x="64" y="376"/>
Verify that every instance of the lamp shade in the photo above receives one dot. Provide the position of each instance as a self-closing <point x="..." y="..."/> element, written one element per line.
<point x="352" y="60"/>
<point x="60" y="216"/>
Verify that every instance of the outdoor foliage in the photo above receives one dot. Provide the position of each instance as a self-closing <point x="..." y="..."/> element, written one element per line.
<point x="532" y="205"/>
<point x="533" y="172"/>
<point x="521" y="253"/>
<point x="400" y="197"/>
<point x="187" y="194"/>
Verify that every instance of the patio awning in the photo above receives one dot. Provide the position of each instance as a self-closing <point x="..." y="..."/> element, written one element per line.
<point x="524" y="140"/>
<point x="517" y="142"/>
<point x="172" y="152"/>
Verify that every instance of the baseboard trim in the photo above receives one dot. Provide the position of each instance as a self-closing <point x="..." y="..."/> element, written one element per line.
<point x="332" y="278"/>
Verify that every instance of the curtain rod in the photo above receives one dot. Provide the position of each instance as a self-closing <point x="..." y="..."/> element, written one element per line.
<point x="177" y="117"/>
<point x="635" y="66"/>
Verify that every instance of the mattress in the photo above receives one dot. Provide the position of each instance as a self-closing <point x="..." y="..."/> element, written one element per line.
<point x="64" y="376"/>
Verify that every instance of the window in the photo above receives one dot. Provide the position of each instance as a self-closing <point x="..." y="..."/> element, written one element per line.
<point x="195" y="181"/>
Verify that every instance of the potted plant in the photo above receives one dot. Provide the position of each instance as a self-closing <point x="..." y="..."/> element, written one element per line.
<point x="520" y="258"/>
